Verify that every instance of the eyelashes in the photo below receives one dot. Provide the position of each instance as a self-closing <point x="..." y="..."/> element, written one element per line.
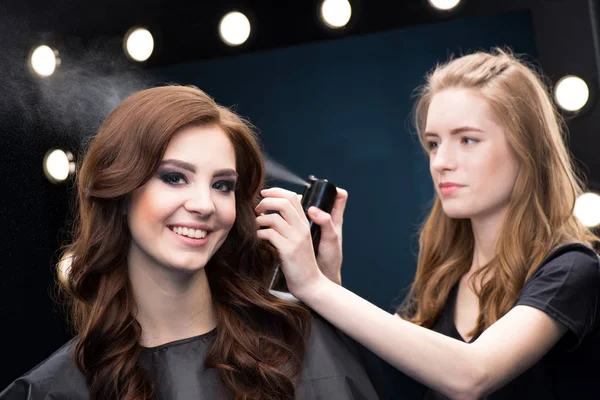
<point x="432" y="144"/>
<point x="471" y="140"/>
<point x="224" y="186"/>
<point x="178" y="179"/>
<point x="174" y="178"/>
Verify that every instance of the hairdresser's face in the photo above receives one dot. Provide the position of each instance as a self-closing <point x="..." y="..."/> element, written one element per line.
<point x="473" y="167"/>
<point x="182" y="215"/>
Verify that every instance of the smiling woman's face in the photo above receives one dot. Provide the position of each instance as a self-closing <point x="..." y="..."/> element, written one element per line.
<point x="183" y="214"/>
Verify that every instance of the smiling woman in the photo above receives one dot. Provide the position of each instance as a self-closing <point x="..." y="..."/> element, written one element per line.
<point x="169" y="284"/>
<point x="183" y="214"/>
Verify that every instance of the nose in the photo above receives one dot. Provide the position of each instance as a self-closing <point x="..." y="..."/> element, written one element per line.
<point x="443" y="158"/>
<point x="200" y="201"/>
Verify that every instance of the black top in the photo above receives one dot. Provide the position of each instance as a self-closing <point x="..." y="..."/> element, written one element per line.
<point x="331" y="371"/>
<point x="567" y="288"/>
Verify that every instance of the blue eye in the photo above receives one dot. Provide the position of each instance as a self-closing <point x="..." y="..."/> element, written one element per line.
<point x="224" y="186"/>
<point x="174" y="178"/>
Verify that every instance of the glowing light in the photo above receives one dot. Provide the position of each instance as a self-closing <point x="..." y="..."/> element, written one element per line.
<point x="64" y="267"/>
<point x="58" y="165"/>
<point x="444" y="5"/>
<point x="139" y="44"/>
<point x="336" y="13"/>
<point x="587" y="209"/>
<point x="44" y="60"/>
<point x="571" y="93"/>
<point x="234" y="28"/>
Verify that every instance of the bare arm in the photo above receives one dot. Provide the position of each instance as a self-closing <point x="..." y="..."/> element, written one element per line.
<point x="460" y="370"/>
<point x="452" y="367"/>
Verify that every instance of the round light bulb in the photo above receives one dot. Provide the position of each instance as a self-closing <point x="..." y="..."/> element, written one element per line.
<point x="571" y="93"/>
<point x="44" y="60"/>
<point x="58" y="165"/>
<point x="587" y="209"/>
<point x="444" y="5"/>
<point x="336" y="13"/>
<point x="234" y="28"/>
<point x="139" y="44"/>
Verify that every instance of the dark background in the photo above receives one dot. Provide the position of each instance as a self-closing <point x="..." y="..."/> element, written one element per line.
<point x="333" y="104"/>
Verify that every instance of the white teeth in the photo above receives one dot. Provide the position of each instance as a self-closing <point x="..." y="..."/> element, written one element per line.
<point x="192" y="233"/>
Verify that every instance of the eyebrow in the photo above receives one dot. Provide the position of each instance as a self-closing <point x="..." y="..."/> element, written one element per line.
<point x="190" y="167"/>
<point x="456" y="131"/>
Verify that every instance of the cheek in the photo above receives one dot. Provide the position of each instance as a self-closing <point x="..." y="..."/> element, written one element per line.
<point x="495" y="173"/>
<point x="227" y="210"/>
<point x="146" y="207"/>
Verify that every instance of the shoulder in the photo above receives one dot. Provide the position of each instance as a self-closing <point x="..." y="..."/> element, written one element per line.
<point x="571" y="264"/>
<point x="325" y="341"/>
<point x="576" y="252"/>
<point x="566" y="287"/>
<point x="333" y="364"/>
<point x="55" y="377"/>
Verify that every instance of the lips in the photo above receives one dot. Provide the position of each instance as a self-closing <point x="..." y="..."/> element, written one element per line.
<point x="188" y="240"/>
<point x="445" y="185"/>
<point x="189" y="232"/>
<point x="448" y="188"/>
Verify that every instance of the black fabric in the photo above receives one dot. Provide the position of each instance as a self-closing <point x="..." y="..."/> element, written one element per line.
<point x="567" y="288"/>
<point x="390" y="383"/>
<point x="330" y="372"/>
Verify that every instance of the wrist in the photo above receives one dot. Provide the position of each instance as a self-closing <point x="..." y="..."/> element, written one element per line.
<point x="334" y="275"/>
<point x="310" y="290"/>
<point x="337" y="279"/>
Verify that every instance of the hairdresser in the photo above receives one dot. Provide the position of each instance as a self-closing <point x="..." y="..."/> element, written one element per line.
<point x="505" y="303"/>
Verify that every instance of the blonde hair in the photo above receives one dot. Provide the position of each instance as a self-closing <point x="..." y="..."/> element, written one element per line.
<point x="540" y="212"/>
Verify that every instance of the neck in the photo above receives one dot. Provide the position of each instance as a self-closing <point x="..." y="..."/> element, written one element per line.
<point x="171" y="305"/>
<point x="486" y="231"/>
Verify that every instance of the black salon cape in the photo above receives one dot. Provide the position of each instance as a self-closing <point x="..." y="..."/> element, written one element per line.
<point x="331" y="371"/>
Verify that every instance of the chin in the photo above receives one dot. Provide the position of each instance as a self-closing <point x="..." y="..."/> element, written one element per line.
<point x="456" y="213"/>
<point x="189" y="267"/>
<point x="187" y="271"/>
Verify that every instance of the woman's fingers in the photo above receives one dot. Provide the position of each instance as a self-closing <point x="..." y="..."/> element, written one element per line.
<point x="280" y="193"/>
<point x="276" y="222"/>
<point x="272" y="236"/>
<point x="325" y="222"/>
<point x="285" y="202"/>
<point x="337" y="214"/>
<point x="289" y="232"/>
<point x="283" y="207"/>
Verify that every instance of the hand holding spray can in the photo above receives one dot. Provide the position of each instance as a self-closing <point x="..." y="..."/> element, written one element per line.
<point x="321" y="194"/>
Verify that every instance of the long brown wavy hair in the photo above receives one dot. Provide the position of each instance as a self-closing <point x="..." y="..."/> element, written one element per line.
<point x="540" y="212"/>
<point x="260" y="339"/>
